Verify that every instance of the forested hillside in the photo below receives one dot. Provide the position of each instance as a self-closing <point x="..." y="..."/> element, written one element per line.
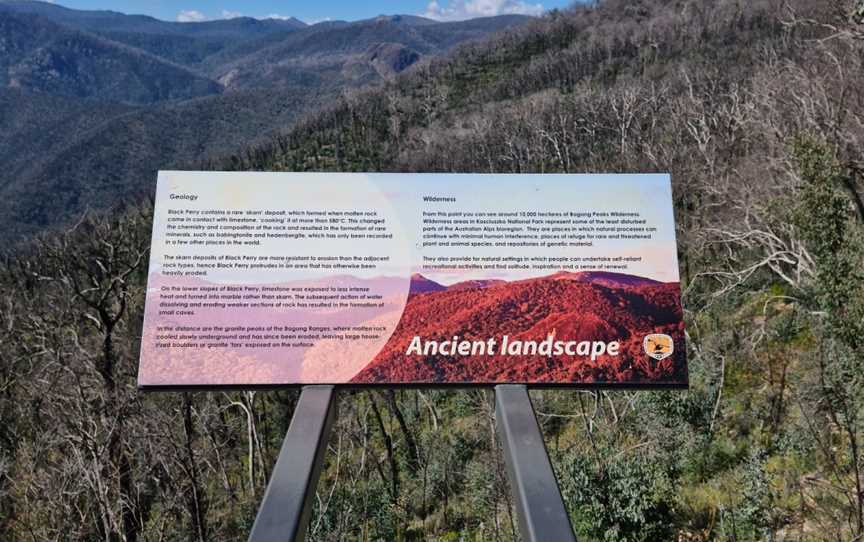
<point x="112" y="98"/>
<point x="756" y="110"/>
<point x="41" y="56"/>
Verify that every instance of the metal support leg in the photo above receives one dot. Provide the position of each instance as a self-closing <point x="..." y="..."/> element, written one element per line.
<point x="287" y="504"/>
<point x="539" y="506"/>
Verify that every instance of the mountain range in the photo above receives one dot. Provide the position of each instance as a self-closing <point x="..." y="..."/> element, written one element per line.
<point x="420" y="284"/>
<point x="93" y="103"/>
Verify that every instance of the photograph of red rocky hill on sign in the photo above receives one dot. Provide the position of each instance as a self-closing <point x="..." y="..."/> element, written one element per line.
<point x="585" y="308"/>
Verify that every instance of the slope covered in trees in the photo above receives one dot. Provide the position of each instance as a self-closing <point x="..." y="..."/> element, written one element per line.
<point x="44" y="57"/>
<point x="159" y="95"/>
<point x="755" y="109"/>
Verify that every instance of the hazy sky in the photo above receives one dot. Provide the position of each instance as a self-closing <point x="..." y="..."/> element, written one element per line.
<point x="311" y="12"/>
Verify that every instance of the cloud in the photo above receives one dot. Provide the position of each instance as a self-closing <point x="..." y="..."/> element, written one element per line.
<point x="316" y="21"/>
<point x="457" y="10"/>
<point x="190" y="16"/>
<point x="195" y="16"/>
<point x="277" y="16"/>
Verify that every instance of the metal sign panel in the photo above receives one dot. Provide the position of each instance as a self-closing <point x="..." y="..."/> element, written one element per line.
<point x="269" y="279"/>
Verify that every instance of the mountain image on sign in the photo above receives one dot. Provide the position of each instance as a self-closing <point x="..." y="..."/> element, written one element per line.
<point x="593" y="306"/>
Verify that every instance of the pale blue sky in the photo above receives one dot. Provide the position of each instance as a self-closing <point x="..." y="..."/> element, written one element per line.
<point x="317" y="11"/>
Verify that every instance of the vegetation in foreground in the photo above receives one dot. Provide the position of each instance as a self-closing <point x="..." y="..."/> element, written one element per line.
<point x="755" y="108"/>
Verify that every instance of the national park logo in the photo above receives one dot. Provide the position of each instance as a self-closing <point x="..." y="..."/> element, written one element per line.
<point x="658" y="345"/>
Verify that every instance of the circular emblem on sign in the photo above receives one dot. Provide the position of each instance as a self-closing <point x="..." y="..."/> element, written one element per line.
<point x="658" y="345"/>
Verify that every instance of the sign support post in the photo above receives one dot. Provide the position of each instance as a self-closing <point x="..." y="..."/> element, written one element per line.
<point x="539" y="506"/>
<point x="287" y="505"/>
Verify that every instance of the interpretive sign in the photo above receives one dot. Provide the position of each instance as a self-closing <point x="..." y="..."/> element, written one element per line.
<point x="353" y="278"/>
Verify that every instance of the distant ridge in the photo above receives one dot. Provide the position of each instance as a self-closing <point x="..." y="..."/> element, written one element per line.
<point x="609" y="279"/>
<point x="42" y="56"/>
<point x="605" y="278"/>
<point x="94" y="102"/>
<point x="479" y="283"/>
<point x="113" y="21"/>
<point x="422" y="285"/>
